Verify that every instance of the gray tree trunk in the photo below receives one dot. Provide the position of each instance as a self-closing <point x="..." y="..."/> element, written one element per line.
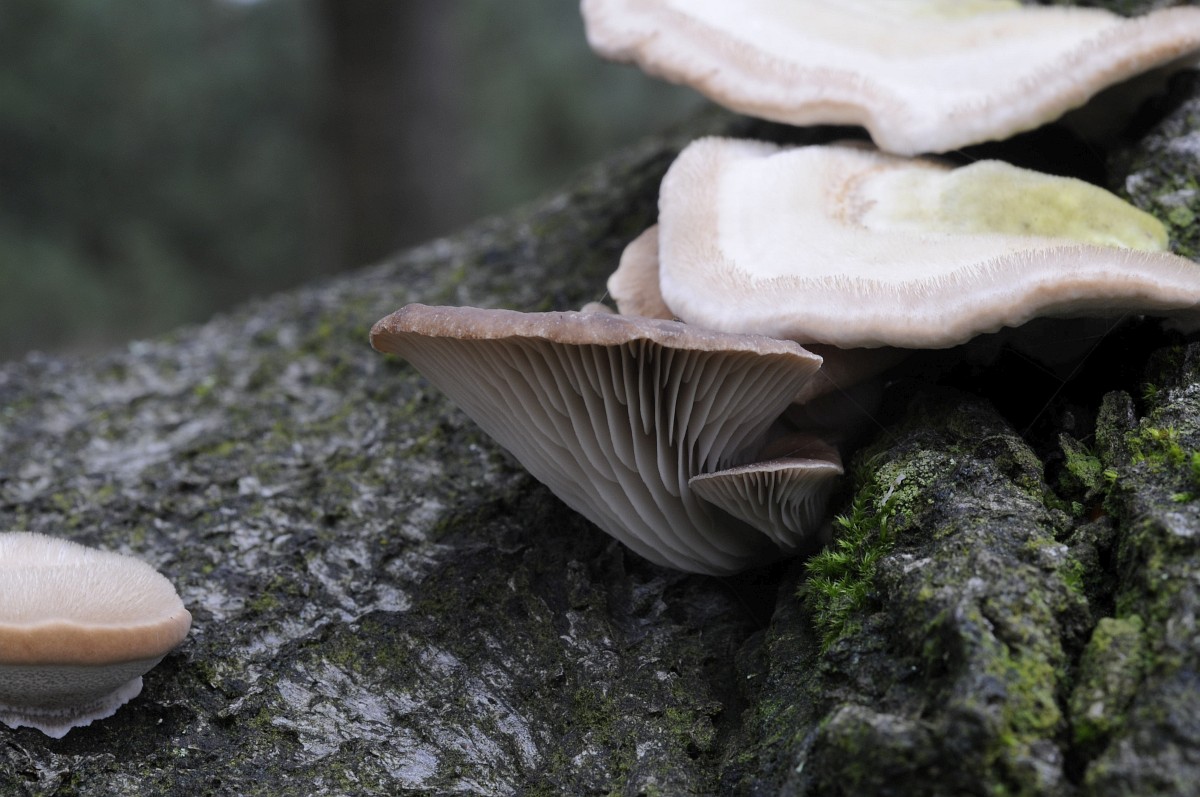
<point x="393" y="112"/>
<point x="384" y="601"/>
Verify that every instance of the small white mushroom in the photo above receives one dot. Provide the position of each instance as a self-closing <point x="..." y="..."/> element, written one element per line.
<point x="785" y="497"/>
<point x="920" y="75"/>
<point x="615" y="414"/>
<point x="848" y="246"/>
<point x="634" y="285"/>
<point x="78" y="629"/>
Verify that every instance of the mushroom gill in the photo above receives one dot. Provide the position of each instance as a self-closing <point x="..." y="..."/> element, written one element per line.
<point x="615" y="414"/>
<point x="784" y="495"/>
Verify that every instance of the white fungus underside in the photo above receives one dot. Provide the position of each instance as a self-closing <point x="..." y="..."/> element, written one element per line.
<point x="777" y="242"/>
<point x="617" y="431"/>
<point x="921" y="76"/>
<point x="56" y="698"/>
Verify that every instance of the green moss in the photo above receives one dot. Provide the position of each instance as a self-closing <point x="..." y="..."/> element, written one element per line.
<point x="62" y="502"/>
<point x="1072" y="572"/>
<point x="594" y="714"/>
<point x="1031" y="711"/>
<point x="1181" y="217"/>
<point x="104" y="494"/>
<point x="1083" y="467"/>
<point x="840" y="578"/>
<point x="223" y="449"/>
<point x="276" y="593"/>
<point x="1157" y="446"/>
<point x="263" y="602"/>
<point x="1020" y="706"/>
<point x="1160" y="449"/>
<point x="204" y="387"/>
<point x="1109" y="672"/>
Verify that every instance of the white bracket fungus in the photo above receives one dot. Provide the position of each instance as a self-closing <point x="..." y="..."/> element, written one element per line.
<point x="78" y="629"/>
<point x="851" y="247"/>
<point x="920" y="75"/>
<point x="650" y="427"/>
<point x="617" y="414"/>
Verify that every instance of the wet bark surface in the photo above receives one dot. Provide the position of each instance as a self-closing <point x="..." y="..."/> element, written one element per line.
<point x="385" y="602"/>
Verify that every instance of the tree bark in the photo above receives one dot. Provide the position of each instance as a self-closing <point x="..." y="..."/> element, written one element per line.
<point x="384" y="601"/>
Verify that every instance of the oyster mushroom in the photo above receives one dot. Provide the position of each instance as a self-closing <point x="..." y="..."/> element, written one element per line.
<point x="784" y="495"/>
<point x="78" y="629"/>
<point x="635" y="288"/>
<point x="634" y="285"/>
<point x="920" y="75"/>
<point x="616" y="414"/>
<point x="851" y="247"/>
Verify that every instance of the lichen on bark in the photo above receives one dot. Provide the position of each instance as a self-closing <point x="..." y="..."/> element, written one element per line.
<point x="962" y="652"/>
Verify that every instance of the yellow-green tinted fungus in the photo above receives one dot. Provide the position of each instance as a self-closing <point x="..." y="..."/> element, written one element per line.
<point x="848" y="246"/>
<point x="994" y="198"/>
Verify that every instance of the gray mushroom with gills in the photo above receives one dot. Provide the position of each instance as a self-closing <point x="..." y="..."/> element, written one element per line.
<point x="617" y="415"/>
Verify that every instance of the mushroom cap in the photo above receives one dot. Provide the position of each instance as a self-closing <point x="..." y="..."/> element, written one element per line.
<point x="785" y="498"/>
<point x="78" y="628"/>
<point x="634" y="285"/>
<point x="920" y="75"/>
<point x="635" y="288"/>
<point x="614" y="413"/>
<point x="64" y="603"/>
<point x="852" y="247"/>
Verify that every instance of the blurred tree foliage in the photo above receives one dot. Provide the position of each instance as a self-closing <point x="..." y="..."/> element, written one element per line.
<point x="155" y="163"/>
<point x="161" y="160"/>
<point x="542" y="103"/>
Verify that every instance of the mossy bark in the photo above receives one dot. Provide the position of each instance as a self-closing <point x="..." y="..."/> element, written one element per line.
<point x="1128" y="8"/>
<point x="385" y="602"/>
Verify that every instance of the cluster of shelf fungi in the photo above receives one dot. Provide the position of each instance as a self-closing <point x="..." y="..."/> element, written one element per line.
<point x="775" y="279"/>
<point x="779" y="278"/>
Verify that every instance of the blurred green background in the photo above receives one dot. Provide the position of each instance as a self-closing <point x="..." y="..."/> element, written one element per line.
<point x="163" y="159"/>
